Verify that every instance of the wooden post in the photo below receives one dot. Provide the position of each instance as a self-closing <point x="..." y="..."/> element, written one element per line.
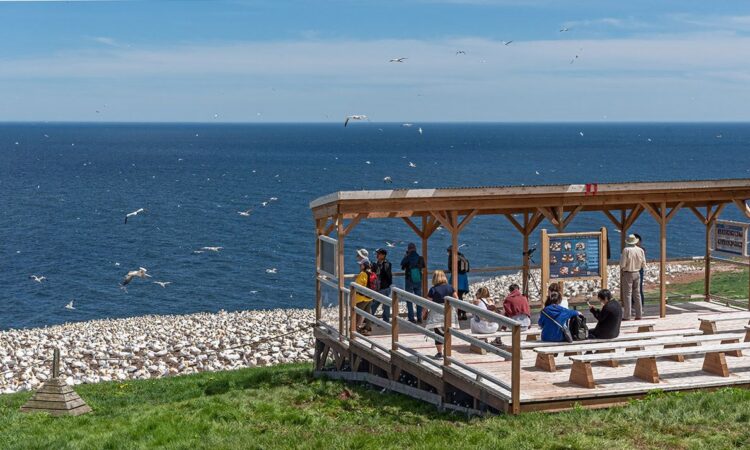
<point x="56" y="363"/>
<point x="707" y="262"/>
<point x="454" y="250"/>
<point x="352" y="313"/>
<point x="526" y="269"/>
<point x="623" y="236"/>
<point x="447" y="327"/>
<point x="663" y="261"/>
<point x="603" y="261"/>
<point x="340" y="247"/>
<point x="545" y="265"/>
<point x="394" y="321"/>
<point x="515" y="376"/>
<point x="424" y="236"/>
<point x="318" y="305"/>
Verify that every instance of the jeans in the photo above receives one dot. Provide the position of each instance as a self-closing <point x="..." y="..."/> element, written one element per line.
<point x="416" y="289"/>
<point x="386" y="308"/>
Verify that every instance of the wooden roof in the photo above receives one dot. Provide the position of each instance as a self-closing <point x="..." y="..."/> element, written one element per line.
<point x="518" y="199"/>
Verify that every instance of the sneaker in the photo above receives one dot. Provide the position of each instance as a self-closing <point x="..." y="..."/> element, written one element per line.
<point x="438" y="356"/>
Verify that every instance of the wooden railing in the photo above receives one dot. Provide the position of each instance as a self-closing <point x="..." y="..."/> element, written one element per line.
<point x="397" y="295"/>
<point x="514" y="355"/>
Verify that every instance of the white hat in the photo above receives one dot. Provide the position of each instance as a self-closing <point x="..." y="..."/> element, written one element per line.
<point x="362" y="254"/>
<point x="631" y="240"/>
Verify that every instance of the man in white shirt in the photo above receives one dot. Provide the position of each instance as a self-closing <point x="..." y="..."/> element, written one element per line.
<point x="632" y="260"/>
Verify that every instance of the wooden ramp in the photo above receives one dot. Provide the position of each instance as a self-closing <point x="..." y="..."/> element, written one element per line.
<point x="481" y="382"/>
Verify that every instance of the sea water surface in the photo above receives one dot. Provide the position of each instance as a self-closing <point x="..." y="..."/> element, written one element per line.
<point x="65" y="190"/>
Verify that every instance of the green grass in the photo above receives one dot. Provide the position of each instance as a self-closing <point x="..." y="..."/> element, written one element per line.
<point x="284" y="407"/>
<point x="726" y="284"/>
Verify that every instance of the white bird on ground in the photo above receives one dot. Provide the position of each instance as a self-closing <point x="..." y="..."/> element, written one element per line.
<point x="273" y="270"/>
<point x="245" y="213"/>
<point x="38" y="278"/>
<point x="411" y="164"/>
<point x="70" y="305"/>
<point x="355" y="117"/>
<point x="211" y="249"/>
<point x="162" y="283"/>
<point x="506" y="43"/>
<point x="387" y="180"/>
<point x="133" y="214"/>
<point x="398" y="60"/>
<point x="140" y="273"/>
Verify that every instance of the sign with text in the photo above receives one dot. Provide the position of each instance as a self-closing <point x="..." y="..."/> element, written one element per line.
<point x="731" y="237"/>
<point x="574" y="256"/>
<point x="328" y="263"/>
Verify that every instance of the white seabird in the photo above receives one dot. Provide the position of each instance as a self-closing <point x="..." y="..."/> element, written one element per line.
<point x="411" y="164"/>
<point x="133" y="214"/>
<point x="140" y="273"/>
<point x="211" y="249"/>
<point x="355" y="117"/>
<point x="398" y="60"/>
<point x="162" y="283"/>
<point x="70" y="305"/>
<point x="38" y="278"/>
<point x="245" y="213"/>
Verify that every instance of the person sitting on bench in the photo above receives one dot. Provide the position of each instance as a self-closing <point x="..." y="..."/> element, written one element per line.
<point x="478" y="324"/>
<point x="516" y="306"/>
<point x="608" y="318"/>
<point x="554" y="317"/>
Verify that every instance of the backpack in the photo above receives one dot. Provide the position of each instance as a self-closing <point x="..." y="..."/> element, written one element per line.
<point x="373" y="282"/>
<point x="463" y="264"/>
<point x="415" y="272"/>
<point x="578" y="328"/>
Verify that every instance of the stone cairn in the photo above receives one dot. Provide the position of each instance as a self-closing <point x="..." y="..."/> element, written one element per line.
<point x="55" y="396"/>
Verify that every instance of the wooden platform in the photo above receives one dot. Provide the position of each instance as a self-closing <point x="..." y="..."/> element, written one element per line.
<point x="540" y="390"/>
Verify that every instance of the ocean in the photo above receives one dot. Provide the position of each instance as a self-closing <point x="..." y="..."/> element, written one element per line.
<point x="65" y="190"/>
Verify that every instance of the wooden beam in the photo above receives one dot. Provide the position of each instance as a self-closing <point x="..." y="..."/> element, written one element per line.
<point x="454" y="250"/>
<point x="744" y="208"/>
<point x="515" y="223"/>
<point x="425" y="237"/>
<point x="618" y="224"/>
<point x="550" y="216"/>
<point x="413" y="226"/>
<point x="353" y="223"/>
<point x="465" y="221"/>
<point x="653" y="210"/>
<point x="719" y="209"/>
<point x="571" y="215"/>
<point x="432" y="226"/>
<point x="674" y="210"/>
<point x="632" y="217"/>
<point x="663" y="261"/>
<point x="443" y="220"/>
<point x="700" y="215"/>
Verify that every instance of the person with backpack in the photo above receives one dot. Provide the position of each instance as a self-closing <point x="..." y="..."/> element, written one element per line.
<point x="463" y="277"/>
<point x="554" y="320"/>
<point x="385" y="279"/>
<point x="608" y="317"/>
<point x="479" y="325"/>
<point x="366" y="278"/>
<point x="412" y="265"/>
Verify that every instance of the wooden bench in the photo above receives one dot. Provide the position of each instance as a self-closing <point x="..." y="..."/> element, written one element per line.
<point x="747" y="333"/>
<point x="645" y="366"/>
<point x="545" y="358"/>
<point x="708" y="323"/>
<point x="525" y="345"/>
<point x="534" y="333"/>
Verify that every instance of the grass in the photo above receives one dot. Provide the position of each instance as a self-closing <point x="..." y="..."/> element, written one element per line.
<point x="284" y="407"/>
<point x="726" y="284"/>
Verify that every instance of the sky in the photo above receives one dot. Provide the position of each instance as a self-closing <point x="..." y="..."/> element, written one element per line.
<point x="318" y="61"/>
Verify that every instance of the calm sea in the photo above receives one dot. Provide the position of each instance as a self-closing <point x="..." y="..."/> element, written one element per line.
<point x="65" y="190"/>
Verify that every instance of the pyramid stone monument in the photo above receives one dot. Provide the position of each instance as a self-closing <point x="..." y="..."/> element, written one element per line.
<point x="56" y="397"/>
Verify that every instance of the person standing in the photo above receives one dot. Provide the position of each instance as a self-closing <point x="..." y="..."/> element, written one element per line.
<point x="463" y="277"/>
<point x="641" y="272"/>
<point x="632" y="260"/>
<point x="608" y="317"/>
<point x="434" y="320"/>
<point x="385" y="278"/>
<point x="516" y="306"/>
<point x="362" y="301"/>
<point x="412" y="265"/>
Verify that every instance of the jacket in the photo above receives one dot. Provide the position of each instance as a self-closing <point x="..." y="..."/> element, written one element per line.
<point x="385" y="274"/>
<point x="515" y="304"/>
<point x="608" y="321"/>
<point x="361" y="280"/>
<point x="550" y="331"/>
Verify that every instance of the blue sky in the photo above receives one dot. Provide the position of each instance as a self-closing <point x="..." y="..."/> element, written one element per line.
<point x="305" y="61"/>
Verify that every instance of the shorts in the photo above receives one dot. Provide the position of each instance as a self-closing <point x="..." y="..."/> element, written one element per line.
<point x="439" y="332"/>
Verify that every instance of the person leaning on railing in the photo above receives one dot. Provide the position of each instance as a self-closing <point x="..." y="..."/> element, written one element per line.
<point x="361" y="301"/>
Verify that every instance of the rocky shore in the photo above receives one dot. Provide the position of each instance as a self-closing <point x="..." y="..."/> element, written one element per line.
<point x="159" y="346"/>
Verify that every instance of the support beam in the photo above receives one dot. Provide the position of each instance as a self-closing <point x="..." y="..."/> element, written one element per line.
<point x="743" y="207"/>
<point x="340" y="235"/>
<point x="443" y="219"/>
<point x="465" y="221"/>
<point x="353" y="223"/>
<point x="425" y="235"/>
<point x="663" y="261"/>
<point x="515" y="223"/>
<point x="570" y="216"/>
<point x="454" y="249"/>
<point x="413" y="226"/>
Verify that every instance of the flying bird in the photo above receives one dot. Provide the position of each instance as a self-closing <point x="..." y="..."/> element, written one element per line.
<point x="211" y="249"/>
<point x="273" y="270"/>
<point x="38" y="278"/>
<point x="506" y="43"/>
<point x="564" y="29"/>
<point x="70" y="305"/>
<point x="581" y="133"/>
<point x="140" y="273"/>
<point x="398" y="60"/>
<point x="245" y="213"/>
<point x="355" y="117"/>
<point x="263" y="203"/>
<point x="387" y="180"/>
<point x="162" y="283"/>
<point x="574" y="59"/>
<point x="133" y="214"/>
<point x="420" y="130"/>
<point x="411" y="164"/>
<point x="407" y="125"/>
<point x="390" y="244"/>
<point x="460" y="52"/>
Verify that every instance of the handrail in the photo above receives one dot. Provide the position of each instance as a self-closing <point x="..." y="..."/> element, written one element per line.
<point x="419" y="356"/>
<point x="493" y="316"/>
<point x="328" y="282"/>
<point x="480" y="374"/>
<point x="481" y="344"/>
<point x="375" y="295"/>
<point x="375" y="319"/>
<point x="425" y="331"/>
<point x="421" y="301"/>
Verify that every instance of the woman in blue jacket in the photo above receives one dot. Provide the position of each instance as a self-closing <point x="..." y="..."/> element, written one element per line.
<point x="551" y="331"/>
